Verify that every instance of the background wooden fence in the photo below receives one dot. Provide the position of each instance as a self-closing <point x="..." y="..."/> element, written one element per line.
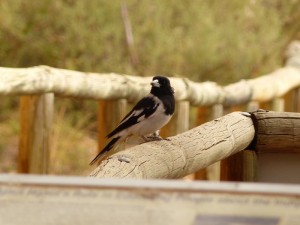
<point x="37" y="87"/>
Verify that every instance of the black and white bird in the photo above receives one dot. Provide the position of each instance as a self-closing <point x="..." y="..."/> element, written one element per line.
<point x="149" y="115"/>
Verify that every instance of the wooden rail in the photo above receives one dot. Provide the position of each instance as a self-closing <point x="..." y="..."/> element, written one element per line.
<point x="43" y="79"/>
<point x="37" y="87"/>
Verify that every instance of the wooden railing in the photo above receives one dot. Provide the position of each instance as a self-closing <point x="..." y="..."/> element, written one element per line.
<point x="39" y="85"/>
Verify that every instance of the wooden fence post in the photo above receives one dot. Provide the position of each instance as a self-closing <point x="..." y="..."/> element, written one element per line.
<point x="239" y="167"/>
<point x="278" y="104"/>
<point x="36" y="119"/>
<point x="179" y="122"/>
<point x="110" y="113"/>
<point x="183" y="116"/>
<point x="296" y="100"/>
<point x="292" y="100"/>
<point x="252" y="106"/>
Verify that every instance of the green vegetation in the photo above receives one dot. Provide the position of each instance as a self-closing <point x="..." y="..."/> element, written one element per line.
<point x="205" y="40"/>
<point x="222" y="41"/>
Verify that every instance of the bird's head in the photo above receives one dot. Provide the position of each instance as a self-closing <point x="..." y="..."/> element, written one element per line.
<point x="161" y="86"/>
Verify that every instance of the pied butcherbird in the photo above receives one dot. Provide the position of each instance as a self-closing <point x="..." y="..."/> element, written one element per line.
<point x="149" y="115"/>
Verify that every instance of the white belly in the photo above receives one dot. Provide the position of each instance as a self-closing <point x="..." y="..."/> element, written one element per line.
<point x="149" y="125"/>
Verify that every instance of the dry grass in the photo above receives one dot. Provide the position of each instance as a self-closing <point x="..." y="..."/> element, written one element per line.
<point x="9" y="144"/>
<point x="73" y="146"/>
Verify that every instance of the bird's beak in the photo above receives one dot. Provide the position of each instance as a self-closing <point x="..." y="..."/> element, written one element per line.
<point x="155" y="83"/>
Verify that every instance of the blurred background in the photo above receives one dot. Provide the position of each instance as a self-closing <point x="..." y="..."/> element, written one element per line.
<point x="221" y="41"/>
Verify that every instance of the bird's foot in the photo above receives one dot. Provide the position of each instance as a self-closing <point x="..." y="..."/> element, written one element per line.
<point x="124" y="158"/>
<point x="156" y="134"/>
<point x="154" y="138"/>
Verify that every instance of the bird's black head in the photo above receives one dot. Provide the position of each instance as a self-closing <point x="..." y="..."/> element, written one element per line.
<point x="161" y="86"/>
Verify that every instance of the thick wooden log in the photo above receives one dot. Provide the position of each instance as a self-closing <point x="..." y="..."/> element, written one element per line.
<point x="277" y="132"/>
<point x="279" y="83"/>
<point x="182" y="154"/>
<point x="237" y="93"/>
<point x="36" y="117"/>
<point x="44" y="79"/>
<point x="109" y="86"/>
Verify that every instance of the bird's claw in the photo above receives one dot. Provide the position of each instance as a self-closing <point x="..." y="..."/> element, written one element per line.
<point x="155" y="138"/>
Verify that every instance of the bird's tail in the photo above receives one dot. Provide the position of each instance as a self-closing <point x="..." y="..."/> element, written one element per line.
<point x="105" y="150"/>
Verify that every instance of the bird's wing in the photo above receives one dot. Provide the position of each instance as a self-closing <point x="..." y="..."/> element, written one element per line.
<point x="101" y="154"/>
<point x="142" y="110"/>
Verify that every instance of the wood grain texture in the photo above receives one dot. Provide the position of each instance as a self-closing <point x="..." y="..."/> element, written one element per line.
<point x="36" y="118"/>
<point x="213" y="171"/>
<point x="182" y="154"/>
<point x="110" y="114"/>
<point x="278" y="132"/>
<point x="232" y="168"/>
<point x="241" y="166"/>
